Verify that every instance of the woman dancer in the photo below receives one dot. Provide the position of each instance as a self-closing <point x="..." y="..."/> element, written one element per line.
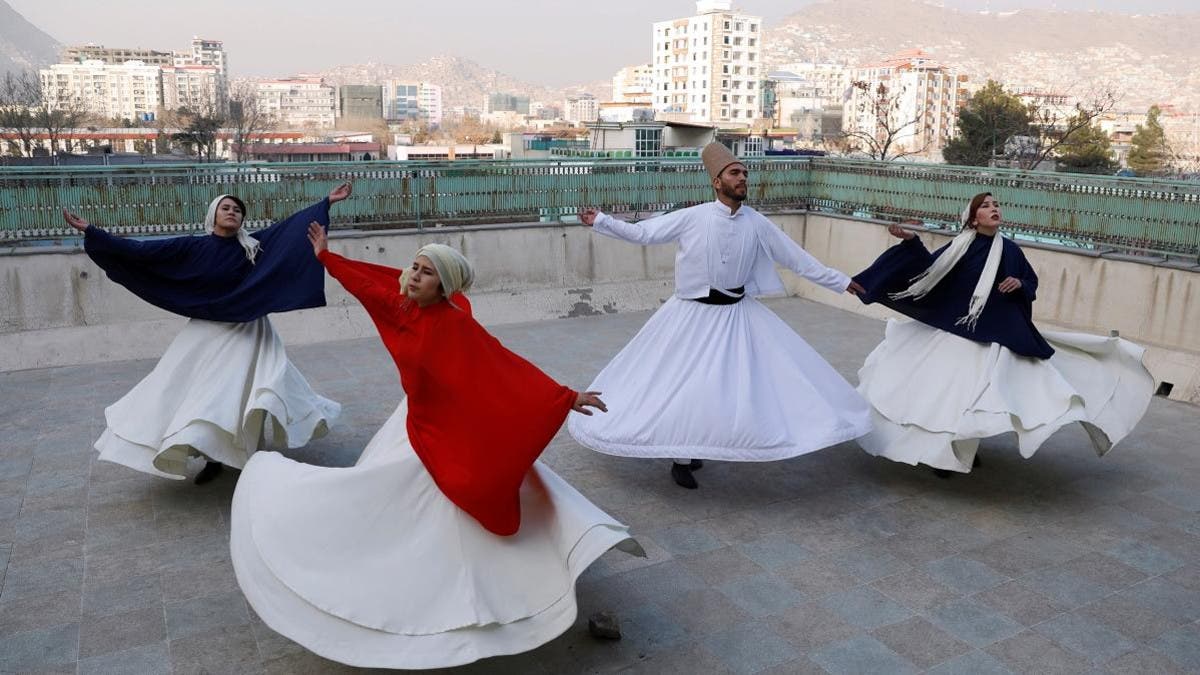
<point x="225" y="379"/>
<point x="447" y="542"/>
<point x="973" y="365"/>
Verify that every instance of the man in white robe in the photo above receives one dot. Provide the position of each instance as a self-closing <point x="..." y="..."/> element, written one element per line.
<point x="714" y="374"/>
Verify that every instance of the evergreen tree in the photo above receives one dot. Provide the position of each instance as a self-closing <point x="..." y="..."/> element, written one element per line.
<point x="1087" y="151"/>
<point x="985" y="124"/>
<point x="1148" y="154"/>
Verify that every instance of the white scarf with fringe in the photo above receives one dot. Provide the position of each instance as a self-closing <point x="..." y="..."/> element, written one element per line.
<point x="925" y="282"/>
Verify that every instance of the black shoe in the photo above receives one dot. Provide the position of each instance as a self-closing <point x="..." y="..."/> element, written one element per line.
<point x="696" y="464"/>
<point x="944" y="474"/>
<point x="682" y="473"/>
<point x="209" y="473"/>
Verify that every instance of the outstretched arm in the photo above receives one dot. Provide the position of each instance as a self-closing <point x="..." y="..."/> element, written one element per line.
<point x="340" y="192"/>
<point x="788" y="253"/>
<point x="658" y="230"/>
<point x="373" y="291"/>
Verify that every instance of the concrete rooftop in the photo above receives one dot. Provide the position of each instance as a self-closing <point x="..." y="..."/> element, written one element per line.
<point x="834" y="562"/>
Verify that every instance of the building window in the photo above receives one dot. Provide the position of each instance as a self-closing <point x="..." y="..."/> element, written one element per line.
<point x="647" y="142"/>
<point x="726" y="26"/>
<point x="752" y="41"/>
<point x="726" y="39"/>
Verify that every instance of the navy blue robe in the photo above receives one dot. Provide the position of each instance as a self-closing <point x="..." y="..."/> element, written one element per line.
<point x="209" y="277"/>
<point x="1007" y="318"/>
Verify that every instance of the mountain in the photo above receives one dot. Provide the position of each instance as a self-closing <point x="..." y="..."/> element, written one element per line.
<point x="464" y="82"/>
<point x="1151" y="58"/>
<point x="23" y="46"/>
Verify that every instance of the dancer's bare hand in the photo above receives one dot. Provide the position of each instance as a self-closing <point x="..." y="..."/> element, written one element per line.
<point x="340" y="192"/>
<point x="318" y="238"/>
<point x="588" y="399"/>
<point x="898" y="230"/>
<point x="855" y="288"/>
<point x="1009" y="285"/>
<point x="75" y="221"/>
<point x="588" y="216"/>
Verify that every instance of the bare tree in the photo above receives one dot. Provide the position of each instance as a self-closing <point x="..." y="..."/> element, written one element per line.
<point x="1053" y="125"/>
<point x="891" y="131"/>
<point x="56" y="112"/>
<point x="248" y="119"/>
<point x="17" y="101"/>
<point x="199" y="131"/>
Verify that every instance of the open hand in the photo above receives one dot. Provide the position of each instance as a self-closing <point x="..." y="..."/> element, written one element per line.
<point x="1009" y="285"/>
<point x="588" y="216"/>
<point x="318" y="238"/>
<point x="586" y="399"/>
<point x="898" y="230"/>
<point x="340" y="192"/>
<point x="75" y="221"/>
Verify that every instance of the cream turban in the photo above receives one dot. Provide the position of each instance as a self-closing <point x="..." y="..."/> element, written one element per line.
<point x="716" y="157"/>
<point x="249" y="244"/>
<point x="454" y="270"/>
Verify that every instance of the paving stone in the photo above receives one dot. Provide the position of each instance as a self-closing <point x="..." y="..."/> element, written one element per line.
<point x="1182" y="646"/>
<point x="217" y="650"/>
<point x="1029" y="652"/>
<point x="1166" y="598"/>
<point x="1087" y="637"/>
<point x="972" y="663"/>
<point x="41" y="650"/>
<point x="118" y="632"/>
<point x="866" y="607"/>
<point x="867" y="562"/>
<point x="191" y="617"/>
<point x="973" y="622"/>
<point x="862" y="654"/>
<point x="915" y="589"/>
<point x="751" y="648"/>
<point x="774" y="552"/>
<point x="1141" y="662"/>
<point x="687" y="539"/>
<point x="721" y="565"/>
<point x="1018" y="602"/>
<point x="1128" y="617"/>
<point x="1065" y="588"/>
<point x="810" y="625"/>
<point x="1150" y="559"/>
<point x="761" y="594"/>
<point x="964" y="575"/>
<point x="40" y="611"/>
<point x="922" y="643"/>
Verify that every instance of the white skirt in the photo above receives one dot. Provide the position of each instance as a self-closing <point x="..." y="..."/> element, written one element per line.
<point x="728" y="382"/>
<point x="212" y="395"/>
<point x="373" y="566"/>
<point x="934" y="394"/>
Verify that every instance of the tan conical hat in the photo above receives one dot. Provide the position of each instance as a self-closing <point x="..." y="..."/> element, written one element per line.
<point x="716" y="157"/>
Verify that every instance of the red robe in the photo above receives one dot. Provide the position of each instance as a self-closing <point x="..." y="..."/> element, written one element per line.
<point x="478" y="414"/>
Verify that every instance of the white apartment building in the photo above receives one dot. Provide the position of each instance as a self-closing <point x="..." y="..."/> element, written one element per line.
<point x="197" y="88"/>
<point x="634" y="84"/>
<point x="406" y="100"/>
<point x="208" y="54"/>
<point x="707" y="67"/>
<point x="582" y="108"/>
<point x="129" y="91"/>
<point x="921" y="89"/>
<point x="828" y="81"/>
<point x="299" y="101"/>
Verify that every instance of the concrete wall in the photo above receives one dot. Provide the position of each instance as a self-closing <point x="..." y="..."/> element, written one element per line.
<point x="57" y="308"/>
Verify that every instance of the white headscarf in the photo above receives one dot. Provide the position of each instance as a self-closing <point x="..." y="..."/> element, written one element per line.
<point x="454" y="270"/>
<point x="925" y="281"/>
<point x="249" y="244"/>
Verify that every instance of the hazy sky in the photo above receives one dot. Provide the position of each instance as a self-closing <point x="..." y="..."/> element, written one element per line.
<point x="545" y="41"/>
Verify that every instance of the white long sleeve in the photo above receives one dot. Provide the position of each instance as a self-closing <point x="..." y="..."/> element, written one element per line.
<point x="783" y="251"/>
<point x="657" y="230"/>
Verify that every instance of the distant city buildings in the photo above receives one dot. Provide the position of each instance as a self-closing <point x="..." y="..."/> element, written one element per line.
<point x="299" y="101"/>
<point x="360" y="102"/>
<point x="131" y="91"/>
<point x="921" y="97"/>
<point x="634" y="84"/>
<point x="411" y="101"/>
<point x="582" y="108"/>
<point x="707" y="67"/>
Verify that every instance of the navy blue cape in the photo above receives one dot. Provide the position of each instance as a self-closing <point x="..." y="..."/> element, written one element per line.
<point x="208" y="276"/>
<point x="1007" y="318"/>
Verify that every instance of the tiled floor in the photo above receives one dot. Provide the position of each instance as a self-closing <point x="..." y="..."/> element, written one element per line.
<point x="834" y="562"/>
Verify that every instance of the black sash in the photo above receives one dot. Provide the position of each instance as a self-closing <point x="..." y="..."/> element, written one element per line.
<point x="717" y="297"/>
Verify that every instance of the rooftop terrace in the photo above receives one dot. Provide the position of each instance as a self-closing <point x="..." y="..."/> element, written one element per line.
<point x="834" y="562"/>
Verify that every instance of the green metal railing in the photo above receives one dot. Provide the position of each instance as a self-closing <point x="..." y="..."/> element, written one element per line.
<point x="1100" y="213"/>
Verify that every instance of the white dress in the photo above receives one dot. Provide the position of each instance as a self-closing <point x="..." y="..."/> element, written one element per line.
<point x="728" y="382"/>
<point x="214" y="393"/>
<point x="373" y="566"/>
<point x="934" y="394"/>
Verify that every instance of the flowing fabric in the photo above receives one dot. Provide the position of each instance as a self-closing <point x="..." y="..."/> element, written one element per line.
<point x="214" y="394"/>
<point x="1007" y="318"/>
<point x="208" y="276"/>
<point x="479" y="415"/>
<point x="727" y="382"/>
<point x="373" y="566"/>
<point x="936" y="387"/>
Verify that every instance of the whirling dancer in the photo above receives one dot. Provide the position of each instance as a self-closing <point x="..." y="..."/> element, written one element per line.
<point x="714" y="374"/>
<point x="973" y="365"/>
<point x="225" y="378"/>
<point x="447" y="542"/>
